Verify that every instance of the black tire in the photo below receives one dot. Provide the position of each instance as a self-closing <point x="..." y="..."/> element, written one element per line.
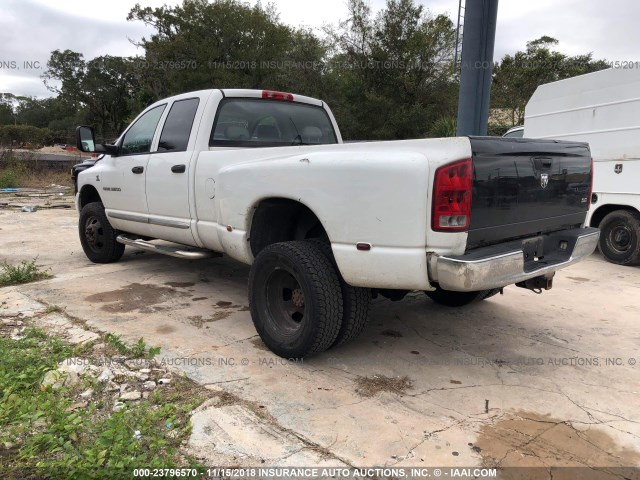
<point x="97" y="236"/>
<point x="355" y="302"/>
<point x="620" y="237"/>
<point x="295" y="299"/>
<point x="459" y="299"/>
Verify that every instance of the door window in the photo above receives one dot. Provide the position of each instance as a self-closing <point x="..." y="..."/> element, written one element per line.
<point x="138" y="138"/>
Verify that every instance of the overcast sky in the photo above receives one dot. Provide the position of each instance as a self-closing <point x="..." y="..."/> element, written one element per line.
<point x="31" y="29"/>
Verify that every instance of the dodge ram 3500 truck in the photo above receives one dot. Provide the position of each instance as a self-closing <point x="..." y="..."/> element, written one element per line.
<point x="264" y="177"/>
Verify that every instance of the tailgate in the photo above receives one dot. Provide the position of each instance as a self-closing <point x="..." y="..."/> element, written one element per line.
<point x="525" y="187"/>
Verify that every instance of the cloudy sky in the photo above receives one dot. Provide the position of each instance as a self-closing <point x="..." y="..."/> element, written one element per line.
<point x="31" y="29"/>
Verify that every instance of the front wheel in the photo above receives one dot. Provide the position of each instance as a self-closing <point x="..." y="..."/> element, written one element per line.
<point x="620" y="237"/>
<point x="449" y="298"/>
<point x="295" y="299"/>
<point x="97" y="236"/>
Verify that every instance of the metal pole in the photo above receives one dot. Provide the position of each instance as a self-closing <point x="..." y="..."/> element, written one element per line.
<point x="477" y="66"/>
<point x="455" y="61"/>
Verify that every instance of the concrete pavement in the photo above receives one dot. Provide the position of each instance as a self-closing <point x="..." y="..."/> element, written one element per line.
<point x="518" y="380"/>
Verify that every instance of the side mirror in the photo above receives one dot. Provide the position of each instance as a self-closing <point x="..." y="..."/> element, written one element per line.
<point x="86" y="142"/>
<point x="86" y="139"/>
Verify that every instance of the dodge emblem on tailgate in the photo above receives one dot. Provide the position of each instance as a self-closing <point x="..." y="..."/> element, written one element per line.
<point x="544" y="180"/>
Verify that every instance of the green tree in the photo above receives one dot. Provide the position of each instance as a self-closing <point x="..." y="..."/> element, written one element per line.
<point x="393" y="73"/>
<point x="7" y="115"/>
<point x="516" y="77"/>
<point x="103" y="86"/>
<point x="223" y="44"/>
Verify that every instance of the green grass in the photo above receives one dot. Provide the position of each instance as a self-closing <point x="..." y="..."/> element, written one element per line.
<point x="25" y="272"/>
<point x="139" y="349"/>
<point x="10" y="178"/>
<point x="16" y="173"/>
<point x="41" y="437"/>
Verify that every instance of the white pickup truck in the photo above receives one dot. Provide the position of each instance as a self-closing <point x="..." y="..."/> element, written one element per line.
<point x="264" y="177"/>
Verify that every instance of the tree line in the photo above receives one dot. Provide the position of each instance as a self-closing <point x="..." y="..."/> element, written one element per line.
<point x="386" y="75"/>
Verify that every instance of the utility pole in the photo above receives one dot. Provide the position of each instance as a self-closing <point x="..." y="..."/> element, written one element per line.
<point x="459" y="36"/>
<point x="480" y="18"/>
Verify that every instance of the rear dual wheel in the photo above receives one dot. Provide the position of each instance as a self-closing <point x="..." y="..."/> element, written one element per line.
<point x="355" y="302"/>
<point x="295" y="299"/>
<point x="299" y="304"/>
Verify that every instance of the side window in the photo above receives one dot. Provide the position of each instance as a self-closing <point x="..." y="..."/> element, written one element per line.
<point x="139" y="137"/>
<point x="177" y="127"/>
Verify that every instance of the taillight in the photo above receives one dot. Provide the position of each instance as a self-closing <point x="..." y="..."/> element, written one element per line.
<point x="452" y="197"/>
<point x="271" y="95"/>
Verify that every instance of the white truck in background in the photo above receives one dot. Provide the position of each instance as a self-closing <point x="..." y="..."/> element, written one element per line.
<point x="603" y="109"/>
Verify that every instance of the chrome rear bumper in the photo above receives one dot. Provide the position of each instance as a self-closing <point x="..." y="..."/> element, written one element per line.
<point x="501" y="265"/>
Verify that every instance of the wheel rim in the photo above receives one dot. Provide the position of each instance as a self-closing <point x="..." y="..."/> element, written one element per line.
<point x="94" y="234"/>
<point x="620" y="238"/>
<point x="285" y="301"/>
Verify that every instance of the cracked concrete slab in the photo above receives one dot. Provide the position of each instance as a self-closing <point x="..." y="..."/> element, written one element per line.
<point x="66" y="329"/>
<point x="233" y="434"/>
<point x="564" y="355"/>
<point x="15" y="304"/>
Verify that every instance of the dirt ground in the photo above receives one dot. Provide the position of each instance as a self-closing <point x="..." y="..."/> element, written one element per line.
<point x="518" y="380"/>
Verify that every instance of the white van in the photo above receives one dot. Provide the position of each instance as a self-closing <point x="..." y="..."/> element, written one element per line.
<point x="603" y="109"/>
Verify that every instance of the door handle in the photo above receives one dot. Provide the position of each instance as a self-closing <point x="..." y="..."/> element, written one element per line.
<point x="137" y="169"/>
<point x="178" y="168"/>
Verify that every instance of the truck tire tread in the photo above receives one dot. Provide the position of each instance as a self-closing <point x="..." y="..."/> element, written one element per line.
<point x="355" y="301"/>
<point x="112" y="251"/>
<point x="325" y="290"/>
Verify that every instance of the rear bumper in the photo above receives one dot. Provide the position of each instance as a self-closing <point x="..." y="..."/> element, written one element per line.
<point x="505" y="264"/>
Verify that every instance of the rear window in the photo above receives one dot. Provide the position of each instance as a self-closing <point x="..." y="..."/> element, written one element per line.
<point x="245" y="122"/>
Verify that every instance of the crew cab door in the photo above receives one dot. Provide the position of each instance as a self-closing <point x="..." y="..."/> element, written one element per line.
<point x="169" y="168"/>
<point x="122" y="181"/>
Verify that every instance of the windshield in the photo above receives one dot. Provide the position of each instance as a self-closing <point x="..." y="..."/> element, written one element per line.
<point x="247" y="122"/>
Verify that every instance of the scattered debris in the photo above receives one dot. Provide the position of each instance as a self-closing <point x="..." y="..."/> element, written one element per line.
<point x="371" y="386"/>
<point x="106" y="375"/>
<point x="131" y="396"/>
<point x="87" y="393"/>
<point x="68" y="373"/>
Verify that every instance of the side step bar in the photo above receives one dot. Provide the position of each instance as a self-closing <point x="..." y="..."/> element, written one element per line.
<point x="179" y="251"/>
